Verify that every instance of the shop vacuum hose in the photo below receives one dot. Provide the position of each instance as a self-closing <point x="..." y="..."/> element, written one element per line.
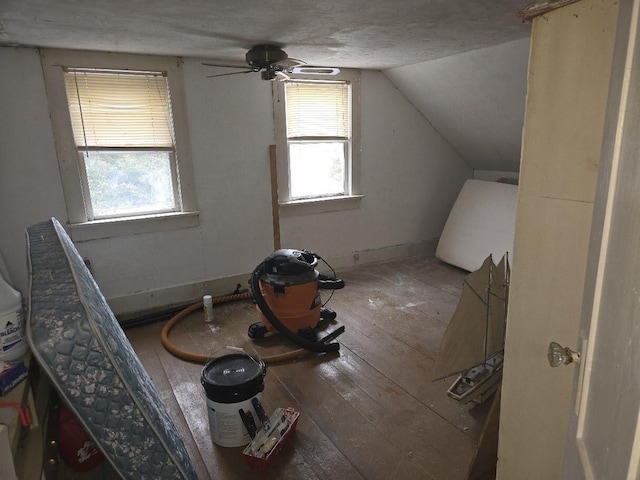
<point x="313" y="346"/>
<point x="201" y="358"/>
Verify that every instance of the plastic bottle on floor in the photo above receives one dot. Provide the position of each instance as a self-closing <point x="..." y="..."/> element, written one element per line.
<point x="207" y="305"/>
<point x="13" y="343"/>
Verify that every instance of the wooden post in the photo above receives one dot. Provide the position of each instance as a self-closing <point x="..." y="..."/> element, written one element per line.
<point x="485" y="459"/>
<point x="275" y="207"/>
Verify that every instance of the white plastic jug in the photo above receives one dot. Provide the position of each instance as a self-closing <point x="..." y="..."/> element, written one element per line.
<point x="13" y="343"/>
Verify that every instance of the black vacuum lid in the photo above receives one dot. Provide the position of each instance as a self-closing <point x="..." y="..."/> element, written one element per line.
<point x="233" y="378"/>
<point x="288" y="261"/>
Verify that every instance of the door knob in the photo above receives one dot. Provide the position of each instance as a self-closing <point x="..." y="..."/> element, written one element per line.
<point x="559" y="355"/>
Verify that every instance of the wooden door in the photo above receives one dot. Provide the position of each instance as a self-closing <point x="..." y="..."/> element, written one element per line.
<point x="603" y="441"/>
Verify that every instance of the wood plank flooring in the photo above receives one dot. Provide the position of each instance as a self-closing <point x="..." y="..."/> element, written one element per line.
<point x="370" y="411"/>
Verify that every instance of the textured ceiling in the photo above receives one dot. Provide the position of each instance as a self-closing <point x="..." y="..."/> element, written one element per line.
<point x="375" y="34"/>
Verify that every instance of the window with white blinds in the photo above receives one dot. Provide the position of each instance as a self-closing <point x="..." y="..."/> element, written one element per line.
<point x="317" y="110"/>
<point x="118" y="109"/>
<point x="122" y="141"/>
<point x="318" y="123"/>
<point x="122" y="128"/>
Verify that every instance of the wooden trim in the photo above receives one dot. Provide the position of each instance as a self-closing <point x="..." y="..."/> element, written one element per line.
<point x="540" y="8"/>
<point x="275" y="207"/>
<point x="485" y="459"/>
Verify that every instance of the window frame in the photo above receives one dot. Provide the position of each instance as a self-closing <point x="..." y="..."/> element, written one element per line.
<point x="351" y="199"/>
<point x="71" y="165"/>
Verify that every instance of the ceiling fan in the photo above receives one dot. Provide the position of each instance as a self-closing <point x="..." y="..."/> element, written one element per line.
<point x="272" y="62"/>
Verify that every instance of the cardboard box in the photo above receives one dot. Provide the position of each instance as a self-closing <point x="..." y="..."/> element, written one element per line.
<point x="13" y="373"/>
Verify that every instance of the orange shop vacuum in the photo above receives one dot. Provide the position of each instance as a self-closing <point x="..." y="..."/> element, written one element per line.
<point x="286" y="288"/>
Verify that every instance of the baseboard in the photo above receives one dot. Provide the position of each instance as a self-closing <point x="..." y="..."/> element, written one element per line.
<point x="152" y="301"/>
<point x="385" y="254"/>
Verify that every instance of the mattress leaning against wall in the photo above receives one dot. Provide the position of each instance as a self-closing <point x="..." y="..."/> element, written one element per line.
<point x="481" y="222"/>
<point x="79" y="344"/>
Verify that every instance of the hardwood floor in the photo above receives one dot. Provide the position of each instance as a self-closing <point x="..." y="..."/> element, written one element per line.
<point x="370" y="411"/>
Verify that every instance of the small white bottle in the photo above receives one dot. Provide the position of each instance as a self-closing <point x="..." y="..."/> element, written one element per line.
<point x="207" y="303"/>
<point x="13" y="343"/>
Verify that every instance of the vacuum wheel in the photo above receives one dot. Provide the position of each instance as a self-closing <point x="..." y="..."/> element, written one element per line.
<point x="308" y="334"/>
<point x="327" y="314"/>
<point x="257" y="330"/>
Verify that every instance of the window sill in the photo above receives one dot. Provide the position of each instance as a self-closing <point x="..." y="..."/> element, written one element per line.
<point x="117" y="227"/>
<point x="319" y="205"/>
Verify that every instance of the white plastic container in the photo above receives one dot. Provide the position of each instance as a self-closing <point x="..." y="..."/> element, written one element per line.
<point x="207" y="305"/>
<point x="230" y="383"/>
<point x="13" y="343"/>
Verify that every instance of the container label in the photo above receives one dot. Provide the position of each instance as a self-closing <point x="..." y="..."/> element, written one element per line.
<point x="11" y="331"/>
<point x="225" y="423"/>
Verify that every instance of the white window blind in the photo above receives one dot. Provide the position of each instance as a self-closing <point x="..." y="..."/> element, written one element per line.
<point x="117" y="109"/>
<point x="317" y="110"/>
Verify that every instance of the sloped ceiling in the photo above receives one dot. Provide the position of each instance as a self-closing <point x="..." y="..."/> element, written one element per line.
<point x="476" y="101"/>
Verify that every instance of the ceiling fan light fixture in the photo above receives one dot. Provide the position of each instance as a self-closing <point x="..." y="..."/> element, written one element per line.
<point x="263" y="56"/>
<point x="316" y="70"/>
<point x="268" y="74"/>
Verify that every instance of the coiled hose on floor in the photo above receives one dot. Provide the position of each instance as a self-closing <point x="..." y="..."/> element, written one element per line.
<point x="201" y="358"/>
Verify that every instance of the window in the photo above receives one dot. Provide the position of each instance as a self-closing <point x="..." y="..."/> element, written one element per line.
<point x="317" y="125"/>
<point x="121" y="140"/>
<point x="123" y="130"/>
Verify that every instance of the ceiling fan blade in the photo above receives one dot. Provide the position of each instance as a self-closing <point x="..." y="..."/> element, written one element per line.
<point x="230" y="73"/>
<point x="288" y="64"/>
<point x="223" y="65"/>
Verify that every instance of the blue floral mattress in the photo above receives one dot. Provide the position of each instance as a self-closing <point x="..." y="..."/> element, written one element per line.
<point x="78" y="342"/>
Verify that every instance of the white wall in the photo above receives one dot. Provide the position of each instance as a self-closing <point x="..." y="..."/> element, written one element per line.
<point x="493" y="175"/>
<point x="410" y="179"/>
<point x="30" y="188"/>
<point x="475" y="100"/>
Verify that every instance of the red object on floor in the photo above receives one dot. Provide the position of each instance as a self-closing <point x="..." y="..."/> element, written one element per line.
<point x="75" y="446"/>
